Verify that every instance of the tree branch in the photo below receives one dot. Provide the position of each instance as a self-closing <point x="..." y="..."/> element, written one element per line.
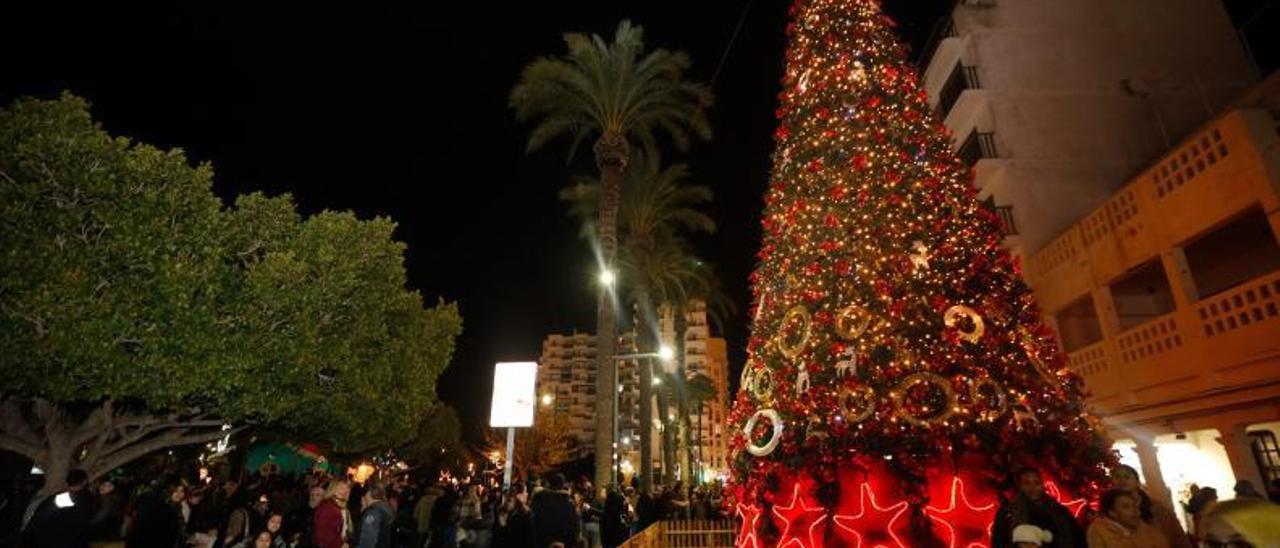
<point x="173" y="438"/>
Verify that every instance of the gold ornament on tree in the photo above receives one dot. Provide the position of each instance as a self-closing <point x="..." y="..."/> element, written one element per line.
<point x="851" y="322"/>
<point x="975" y="329"/>
<point x="802" y="382"/>
<point x="919" y="256"/>
<point x="989" y="392"/>
<point x="931" y="416"/>
<point x="848" y="362"/>
<point x="857" y="403"/>
<point x="793" y="333"/>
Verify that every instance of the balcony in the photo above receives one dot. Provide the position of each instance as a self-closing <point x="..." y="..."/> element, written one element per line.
<point x="945" y="28"/>
<point x="962" y="78"/>
<point x="976" y="146"/>
<point x="1167" y="296"/>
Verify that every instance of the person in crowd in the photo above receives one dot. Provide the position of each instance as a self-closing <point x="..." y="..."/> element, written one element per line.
<point x="1121" y="526"/>
<point x="555" y="519"/>
<point x="423" y="509"/>
<point x="377" y="517"/>
<point x="1244" y="489"/>
<point x="109" y="516"/>
<point x="1031" y="506"/>
<point x="1030" y="536"/>
<point x="591" y="510"/>
<point x="1242" y="523"/>
<point x="470" y="515"/>
<point x="444" y="520"/>
<point x="614" y="529"/>
<point x="513" y="523"/>
<point x="647" y="511"/>
<point x="158" y="519"/>
<point x="63" y="520"/>
<point x="1125" y="478"/>
<point x="331" y="526"/>
<point x="1202" y="502"/>
<point x="263" y="539"/>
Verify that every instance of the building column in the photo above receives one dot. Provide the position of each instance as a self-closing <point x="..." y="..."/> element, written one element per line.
<point x="1157" y="489"/>
<point x="1181" y="283"/>
<point x="1239" y="450"/>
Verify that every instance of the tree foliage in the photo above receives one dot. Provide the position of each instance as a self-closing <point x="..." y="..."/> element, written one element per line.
<point x="136" y="307"/>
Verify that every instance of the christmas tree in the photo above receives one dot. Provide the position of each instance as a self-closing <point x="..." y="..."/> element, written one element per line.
<point x="898" y="367"/>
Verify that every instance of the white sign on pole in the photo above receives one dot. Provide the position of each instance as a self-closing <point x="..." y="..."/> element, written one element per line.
<point x="513" y="394"/>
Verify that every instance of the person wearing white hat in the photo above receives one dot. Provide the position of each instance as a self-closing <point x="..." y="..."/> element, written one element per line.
<point x="1028" y="536"/>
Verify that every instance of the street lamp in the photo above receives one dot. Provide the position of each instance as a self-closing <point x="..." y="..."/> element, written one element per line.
<point x="607" y="278"/>
<point x="547" y="399"/>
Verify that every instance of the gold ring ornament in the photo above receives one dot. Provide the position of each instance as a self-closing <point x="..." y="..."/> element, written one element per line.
<point x="857" y="403"/>
<point x="761" y="384"/>
<point x="983" y="390"/>
<point x="851" y="322"/>
<point x="952" y="318"/>
<point x="793" y="333"/>
<point x="937" y="382"/>
<point x="774" y="439"/>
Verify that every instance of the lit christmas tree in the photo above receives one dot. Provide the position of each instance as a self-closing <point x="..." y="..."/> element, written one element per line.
<point x="898" y="368"/>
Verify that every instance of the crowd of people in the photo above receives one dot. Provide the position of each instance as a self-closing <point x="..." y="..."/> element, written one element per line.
<point x="324" y="511"/>
<point x="1127" y="517"/>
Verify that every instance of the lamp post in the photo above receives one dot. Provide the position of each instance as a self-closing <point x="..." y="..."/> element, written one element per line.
<point x="664" y="353"/>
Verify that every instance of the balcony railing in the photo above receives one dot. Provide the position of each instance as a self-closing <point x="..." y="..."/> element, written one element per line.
<point x="961" y="78"/>
<point x="945" y="28"/>
<point x="977" y="146"/>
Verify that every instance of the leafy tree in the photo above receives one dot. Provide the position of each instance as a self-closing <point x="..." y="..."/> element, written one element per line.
<point x="541" y="448"/>
<point x="438" y="438"/>
<point x="613" y="92"/>
<point x="138" y="313"/>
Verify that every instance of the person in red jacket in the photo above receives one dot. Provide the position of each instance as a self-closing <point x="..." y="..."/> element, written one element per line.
<point x="331" y="527"/>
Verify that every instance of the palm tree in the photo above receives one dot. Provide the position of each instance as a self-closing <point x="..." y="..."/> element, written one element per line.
<point x="698" y="388"/>
<point x="657" y="205"/>
<point x="613" y="92"/>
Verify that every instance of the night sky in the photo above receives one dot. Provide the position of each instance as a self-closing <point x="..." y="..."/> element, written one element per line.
<point x="401" y="111"/>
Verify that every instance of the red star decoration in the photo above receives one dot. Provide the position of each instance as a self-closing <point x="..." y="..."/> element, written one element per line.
<point x="872" y="525"/>
<point x="750" y="514"/>
<point x="1074" y="505"/>
<point x="966" y="525"/>
<point x="794" y="516"/>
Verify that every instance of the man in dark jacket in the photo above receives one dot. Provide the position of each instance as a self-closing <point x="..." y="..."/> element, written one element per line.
<point x="378" y="517"/>
<point x="555" y="519"/>
<point x="1033" y="507"/>
<point x="62" y="520"/>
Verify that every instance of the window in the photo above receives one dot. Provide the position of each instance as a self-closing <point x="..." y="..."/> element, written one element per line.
<point x="1235" y="253"/>
<point x="1078" y="324"/>
<point x="1142" y="295"/>
<point x="1266" y="452"/>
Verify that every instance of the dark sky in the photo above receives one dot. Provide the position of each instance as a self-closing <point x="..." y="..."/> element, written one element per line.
<point x="401" y="111"/>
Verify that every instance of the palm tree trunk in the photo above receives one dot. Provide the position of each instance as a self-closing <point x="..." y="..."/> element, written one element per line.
<point x="611" y="158"/>
<point x="645" y="343"/>
<point x="668" y="435"/>
<point x="681" y="328"/>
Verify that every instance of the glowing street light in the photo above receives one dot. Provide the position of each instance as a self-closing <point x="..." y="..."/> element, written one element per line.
<point x="607" y="278"/>
<point x="666" y="353"/>
<point x="547" y="399"/>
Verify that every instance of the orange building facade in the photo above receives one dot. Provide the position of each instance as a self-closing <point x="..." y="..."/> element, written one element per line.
<point x="1167" y="301"/>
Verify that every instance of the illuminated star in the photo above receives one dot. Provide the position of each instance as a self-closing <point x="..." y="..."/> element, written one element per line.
<point x="1074" y="505"/>
<point x="872" y="523"/>
<point x="794" y="516"/>
<point x="750" y="514"/>
<point x="966" y="525"/>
